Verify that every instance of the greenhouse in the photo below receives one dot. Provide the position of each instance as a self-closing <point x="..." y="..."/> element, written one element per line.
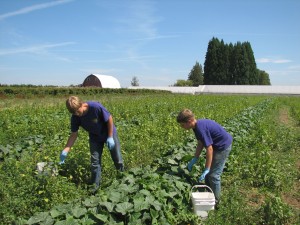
<point x="231" y="89"/>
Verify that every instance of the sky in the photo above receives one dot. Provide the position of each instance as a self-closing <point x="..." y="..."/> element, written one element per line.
<point x="44" y="42"/>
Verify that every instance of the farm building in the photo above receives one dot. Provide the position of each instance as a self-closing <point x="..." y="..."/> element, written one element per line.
<point x="102" y="81"/>
<point x="231" y="89"/>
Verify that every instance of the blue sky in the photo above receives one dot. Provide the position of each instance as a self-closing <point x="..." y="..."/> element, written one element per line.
<point x="45" y="42"/>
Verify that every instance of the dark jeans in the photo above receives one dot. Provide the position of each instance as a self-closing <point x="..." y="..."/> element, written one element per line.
<point x="96" y="149"/>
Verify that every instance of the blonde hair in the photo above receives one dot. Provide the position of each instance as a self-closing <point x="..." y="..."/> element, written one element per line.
<point x="185" y="115"/>
<point x="73" y="103"/>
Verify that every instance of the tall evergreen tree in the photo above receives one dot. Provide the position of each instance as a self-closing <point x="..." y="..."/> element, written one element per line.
<point x="230" y="64"/>
<point x="237" y="64"/>
<point x="222" y="74"/>
<point x="211" y="61"/>
<point x="230" y="68"/>
<point x="251" y="65"/>
<point x="196" y="75"/>
<point x="217" y="63"/>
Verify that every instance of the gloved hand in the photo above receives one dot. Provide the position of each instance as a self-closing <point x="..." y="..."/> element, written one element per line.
<point x="110" y="143"/>
<point x="63" y="156"/>
<point x="205" y="172"/>
<point x="191" y="163"/>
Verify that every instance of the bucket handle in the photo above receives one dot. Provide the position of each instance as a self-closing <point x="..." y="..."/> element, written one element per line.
<point x="201" y="186"/>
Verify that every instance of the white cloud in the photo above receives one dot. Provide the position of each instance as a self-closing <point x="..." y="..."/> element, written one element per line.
<point x="36" y="49"/>
<point x="33" y="8"/>
<point x="270" y="60"/>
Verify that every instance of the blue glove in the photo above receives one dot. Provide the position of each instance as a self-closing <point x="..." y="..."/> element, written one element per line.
<point x="63" y="156"/>
<point x="205" y="172"/>
<point x="110" y="143"/>
<point x="191" y="163"/>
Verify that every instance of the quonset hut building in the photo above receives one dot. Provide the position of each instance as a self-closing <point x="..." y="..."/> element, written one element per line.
<point x="101" y="81"/>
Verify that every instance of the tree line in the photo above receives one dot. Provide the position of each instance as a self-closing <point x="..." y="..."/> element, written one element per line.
<point x="226" y="64"/>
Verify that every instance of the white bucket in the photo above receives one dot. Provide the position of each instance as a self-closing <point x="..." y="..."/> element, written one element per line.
<point x="202" y="201"/>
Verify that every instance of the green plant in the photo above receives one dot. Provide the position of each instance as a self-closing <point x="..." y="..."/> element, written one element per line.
<point x="274" y="211"/>
<point x="35" y="129"/>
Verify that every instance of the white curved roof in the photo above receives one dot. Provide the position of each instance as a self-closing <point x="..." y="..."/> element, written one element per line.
<point x="108" y="81"/>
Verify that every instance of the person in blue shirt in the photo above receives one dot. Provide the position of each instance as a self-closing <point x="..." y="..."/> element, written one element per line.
<point x="98" y="122"/>
<point x="217" y="142"/>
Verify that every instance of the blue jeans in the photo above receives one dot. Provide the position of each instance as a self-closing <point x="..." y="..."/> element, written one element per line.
<point x="213" y="178"/>
<point x="96" y="149"/>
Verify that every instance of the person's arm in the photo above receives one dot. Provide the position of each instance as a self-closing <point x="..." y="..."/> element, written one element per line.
<point x="209" y="156"/>
<point x="110" y="131"/>
<point x="198" y="149"/>
<point x="110" y="126"/>
<point x="196" y="156"/>
<point x="72" y="138"/>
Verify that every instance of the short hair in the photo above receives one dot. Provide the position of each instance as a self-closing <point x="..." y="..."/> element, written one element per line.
<point x="73" y="103"/>
<point x="185" y="115"/>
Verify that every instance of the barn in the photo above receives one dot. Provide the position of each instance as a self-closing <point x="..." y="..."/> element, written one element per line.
<point x="102" y="81"/>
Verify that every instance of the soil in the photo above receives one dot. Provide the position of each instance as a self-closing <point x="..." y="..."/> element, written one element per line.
<point x="293" y="197"/>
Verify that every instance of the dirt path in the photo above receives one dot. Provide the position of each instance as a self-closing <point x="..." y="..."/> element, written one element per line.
<point x="293" y="197"/>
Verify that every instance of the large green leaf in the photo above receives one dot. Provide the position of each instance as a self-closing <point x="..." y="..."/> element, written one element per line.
<point x="38" y="218"/>
<point x="69" y="221"/>
<point x="109" y="206"/>
<point x="145" y="192"/>
<point x="128" y="188"/>
<point x="87" y="221"/>
<point x="140" y="204"/>
<point x="115" y="196"/>
<point x="64" y="208"/>
<point x="103" y="218"/>
<point x="124" y="208"/>
<point x="154" y="214"/>
<point x="129" y="179"/>
<point x="151" y="200"/>
<point x="55" y="213"/>
<point x="78" y="212"/>
<point x="91" y="202"/>
<point x="134" y="218"/>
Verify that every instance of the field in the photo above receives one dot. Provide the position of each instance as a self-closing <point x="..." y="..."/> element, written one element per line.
<point x="260" y="183"/>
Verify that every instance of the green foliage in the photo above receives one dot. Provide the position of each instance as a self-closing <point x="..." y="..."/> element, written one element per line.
<point x="183" y="83"/>
<point x="234" y="210"/>
<point x="196" y="75"/>
<point x="40" y="91"/>
<point x="139" y="196"/>
<point x="263" y="78"/>
<point x="24" y="191"/>
<point x="228" y="64"/>
<point x="155" y="187"/>
<point x="274" y="211"/>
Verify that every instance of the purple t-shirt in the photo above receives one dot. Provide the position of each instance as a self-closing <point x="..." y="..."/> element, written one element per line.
<point x="94" y="122"/>
<point x="210" y="132"/>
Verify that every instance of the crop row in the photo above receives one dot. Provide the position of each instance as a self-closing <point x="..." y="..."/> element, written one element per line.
<point x="152" y="195"/>
<point x="36" y="130"/>
<point x="149" y="135"/>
